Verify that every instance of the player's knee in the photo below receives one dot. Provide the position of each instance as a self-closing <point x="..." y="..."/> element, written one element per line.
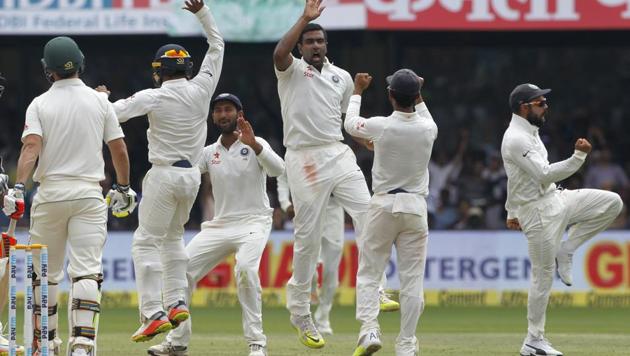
<point x="246" y="273"/>
<point x="617" y="204"/>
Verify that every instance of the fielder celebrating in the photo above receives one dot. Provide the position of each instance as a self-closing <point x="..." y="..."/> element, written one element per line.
<point x="314" y="95"/>
<point x="330" y="254"/>
<point x="238" y="165"/>
<point x="543" y="211"/>
<point x="397" y="214"/>
<point x="178" y="112"/>
<point x="64" y="132"/>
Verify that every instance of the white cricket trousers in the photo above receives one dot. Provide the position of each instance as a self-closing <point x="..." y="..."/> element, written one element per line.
<point x="409" y="233"/>
<point x="314" y="174"/>
<point x="78" y="226"/>
<point x="330" y="257"/>
<point x="159" y="258"/>
<point x="247" y="238"/>
<point x="587" y="212"/>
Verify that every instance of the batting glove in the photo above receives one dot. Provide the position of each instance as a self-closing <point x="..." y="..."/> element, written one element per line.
<point x="122" y="199"/>
<point x="4" y="183"/>
<point x="14" y="202"/>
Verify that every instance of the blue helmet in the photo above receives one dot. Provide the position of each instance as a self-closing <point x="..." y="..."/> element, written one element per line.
<point x="171" y="59"/>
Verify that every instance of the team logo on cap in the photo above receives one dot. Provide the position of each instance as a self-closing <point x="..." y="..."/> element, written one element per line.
<point x="69" y="65"/>
<point x="244" y="151"/>
<point x="335" y="79"/>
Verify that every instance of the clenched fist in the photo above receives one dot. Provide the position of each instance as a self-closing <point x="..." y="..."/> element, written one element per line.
<point x="361" y="82"/>
<point x="583" y="145"/>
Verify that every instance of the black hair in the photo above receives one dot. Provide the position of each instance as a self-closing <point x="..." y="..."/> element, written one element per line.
<point x="403" y="100"/>
<point x="312" y="27"/>
<point x="516" y="108"/>
<point x="66" y="75"/>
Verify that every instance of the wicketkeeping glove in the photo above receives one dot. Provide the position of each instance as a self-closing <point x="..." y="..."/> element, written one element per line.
<point x="122" y="199"/>
<point x="14" y="202"/>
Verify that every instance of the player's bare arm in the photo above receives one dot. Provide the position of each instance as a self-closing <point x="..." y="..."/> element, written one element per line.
<point x="282" y="58"/>
<point x="31" y="148"/>
<point x="193" y="5"/>
<point x="246" y="134"/>
<point x="118" y="150"/>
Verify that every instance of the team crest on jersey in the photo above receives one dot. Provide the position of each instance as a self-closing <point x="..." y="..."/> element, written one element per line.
<point x="244" y="151"/>
<point x="335" y="79"/>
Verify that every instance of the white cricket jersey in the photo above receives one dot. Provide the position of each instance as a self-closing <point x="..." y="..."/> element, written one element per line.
<point x="312" y="103"/>
<point x="402" y="147"/>
<point x="73" y="121"/>
<point x="178" y="110"/>
<point x="239" y="178"/>
<point x="530" y="176"/>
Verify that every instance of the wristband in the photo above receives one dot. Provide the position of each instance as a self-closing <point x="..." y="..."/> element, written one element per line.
<point x="19" y="186"/>
<point x="121" y="188"/>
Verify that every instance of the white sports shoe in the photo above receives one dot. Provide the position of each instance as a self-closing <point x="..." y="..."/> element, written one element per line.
<point x="257" y="350"/>
<point x="535" y="347"/>
<point x="369" y="343"/>
<point x="564" y="265"/>
<point x="167" y="349"/>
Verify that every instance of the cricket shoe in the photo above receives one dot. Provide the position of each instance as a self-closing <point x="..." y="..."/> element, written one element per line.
<point x="168" y="349"/>
<point x="82" y="346"/>
<point x="369" y="343"/>
<point x="307" y="332"/>
<point x="158" y="323"/>
<point x="178" y="313"/>
<point x="4" y="347"/>
<point x="257" y="350"/>
<point x="564" y="265"/>
<point x="386" y="304"/>
<point x="539" y="346"/>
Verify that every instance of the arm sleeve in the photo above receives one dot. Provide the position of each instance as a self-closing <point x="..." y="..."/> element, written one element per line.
<point x="136" y="105"/>
<point x="269" y="160"/>
<point x="534" y="164"/>
<point x="284" y="196"/>
<point x="357" y="126"/>
<point x="347" y="93"/>
<point x="203" y="162"/>
<point x="210" y="69"/>
<point x="112" y="127"/>
<point x="282" y="74"/>
<point x="32" y="124"/>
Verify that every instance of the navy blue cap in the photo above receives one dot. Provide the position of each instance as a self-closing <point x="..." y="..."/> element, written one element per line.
<point x="227" y="97"/>
<point x="524" y="93"/>
<point x="404" y="81"/>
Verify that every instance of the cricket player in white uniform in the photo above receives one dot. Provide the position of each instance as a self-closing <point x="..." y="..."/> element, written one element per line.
<point x="314" y="95"/>
<point x="330" y="254"/>
<point x="397" y="214"/>
<point x="543" y="211"/>
<point x="238" y="165"/>
<point x="64" y="133"/>
<point x="178" y="112"/>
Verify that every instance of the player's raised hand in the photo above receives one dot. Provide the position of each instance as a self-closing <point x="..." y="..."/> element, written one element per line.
<point x="583" y="145"/>
<point x="361" y="82"/>
<point x="102" y="89"/>
<point x="193" y="5"/>
<point x="246" y="134"/>
<point x="312" y="10"/>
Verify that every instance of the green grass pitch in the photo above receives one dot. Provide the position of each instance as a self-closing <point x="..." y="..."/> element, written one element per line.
<point x="442" y="331"/>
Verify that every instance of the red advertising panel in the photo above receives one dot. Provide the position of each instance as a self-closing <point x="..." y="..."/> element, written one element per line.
<point x="497" y="14"/>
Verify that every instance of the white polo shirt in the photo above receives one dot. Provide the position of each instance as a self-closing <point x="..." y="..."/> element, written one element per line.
<point x="312" y="103"/>
<point x="239" y="178"/>
<point x="530" y="176"/>
<point x="73" y="121"/>
<point x="403" y="143"/>
<point x="178" y="110"/>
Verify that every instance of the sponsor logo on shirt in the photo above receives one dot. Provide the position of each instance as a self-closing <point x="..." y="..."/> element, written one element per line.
<point x="308" y="72"/>
<point x="216" y="159"/>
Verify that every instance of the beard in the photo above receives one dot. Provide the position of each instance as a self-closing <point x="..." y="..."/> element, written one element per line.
<point x="535" y="120"/>
<point x="228" y="129"/>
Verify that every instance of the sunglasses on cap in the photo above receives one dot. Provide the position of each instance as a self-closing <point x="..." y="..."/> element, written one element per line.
<point x="174" y="53"/>
<point x="539" y="103"/>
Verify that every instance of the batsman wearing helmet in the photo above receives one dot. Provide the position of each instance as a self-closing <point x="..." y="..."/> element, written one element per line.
<point x="178" y="111"/>
<point x="64" y="133"/>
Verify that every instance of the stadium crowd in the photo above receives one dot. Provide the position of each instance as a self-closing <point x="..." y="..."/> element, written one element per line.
<point x="466" y="88"/>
